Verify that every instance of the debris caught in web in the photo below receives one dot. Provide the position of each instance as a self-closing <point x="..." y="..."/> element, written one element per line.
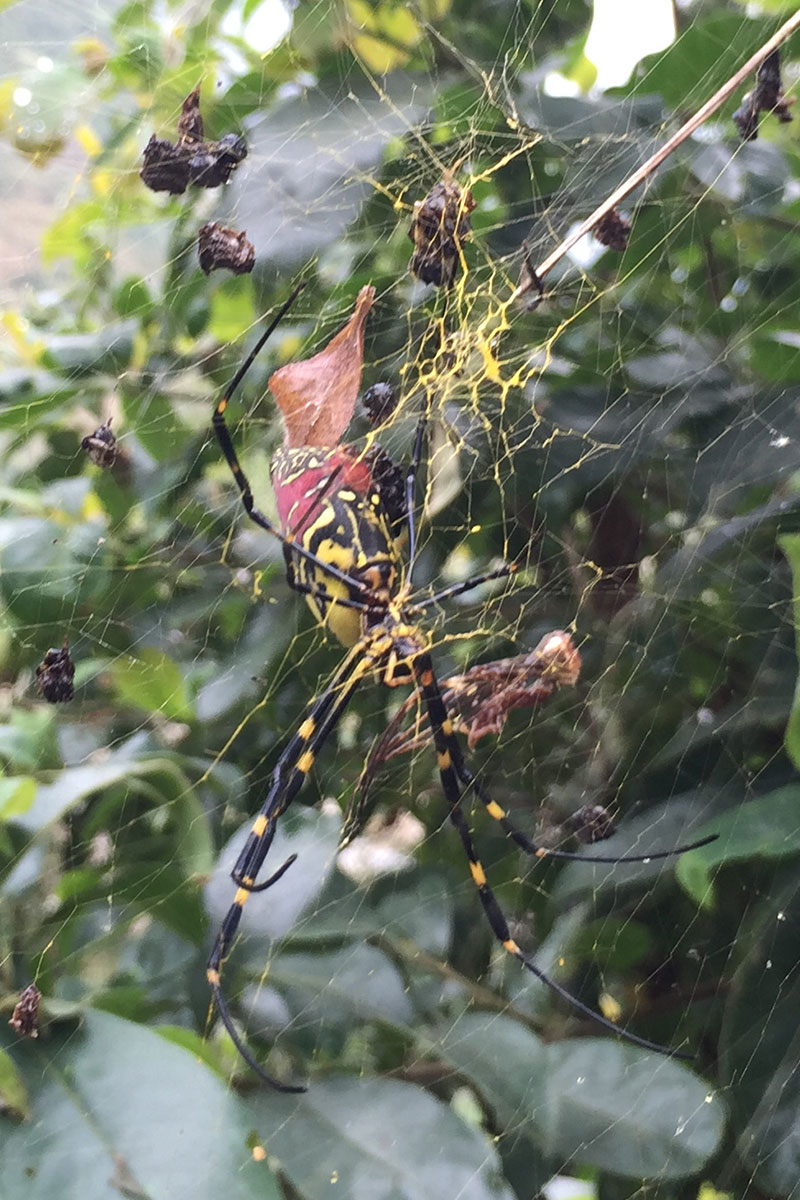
<point x="440" y="225"/>
<point x="767" y="96"/>
<point x="25" y="1018"/>
<point x="482" y="698"/>
<point x="101" y="446"/>
<point x="191" y="160"/>
<point x="529" y="282"/>
<point x="218" y="246"/>
<point x="54" y="675"/>
<point x="379" y="401"/>
<point x="478" y="702"/>
<point x="317" y="396"/>
<point x="613" y="230"/>
<point x="591" y="823"/>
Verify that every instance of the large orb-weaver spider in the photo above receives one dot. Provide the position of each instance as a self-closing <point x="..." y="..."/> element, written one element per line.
<point x="340" y="535"/>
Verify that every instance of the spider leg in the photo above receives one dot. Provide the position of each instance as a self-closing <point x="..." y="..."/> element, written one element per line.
<point x="288" y="776"/>
<point x="447" y="752"/>
<point x="467" y="585"/>
<point x="530" y="847"/>
<point x="411" y="492"/>
<point x="306" y="589"/>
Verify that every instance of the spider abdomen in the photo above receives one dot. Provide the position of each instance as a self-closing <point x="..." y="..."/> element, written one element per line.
<point x="329" y="501"/>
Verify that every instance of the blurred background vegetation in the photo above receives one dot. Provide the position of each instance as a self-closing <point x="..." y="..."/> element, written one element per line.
<point x="645" y="476"/>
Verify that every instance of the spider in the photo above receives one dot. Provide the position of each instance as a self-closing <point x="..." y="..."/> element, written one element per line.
<point x="341" y="540"/>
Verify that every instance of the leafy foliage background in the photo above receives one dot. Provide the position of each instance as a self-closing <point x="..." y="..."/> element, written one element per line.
<point x="645" y="474"/>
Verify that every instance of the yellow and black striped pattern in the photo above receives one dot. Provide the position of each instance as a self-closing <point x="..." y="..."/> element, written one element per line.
<point x="327" y="503"/>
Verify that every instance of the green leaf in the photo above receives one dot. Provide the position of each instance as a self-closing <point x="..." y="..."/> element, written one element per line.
<point x="790" y="545"/>
<point x="52" y="567"/>
<point x="628" y="1111"/>
<point x="133" y="1114"/>
<point x="760" y="1041"/>
<point x="288" y="204"/>
<point x="74" y="784"/>
<point x="157" y="425"/>
<point x="153" y="681"/>
<point x="766" y="827"/>
<point x="506" y="1061"/>
<point x="341" y="987"/>
<point x="13" y="1093"/>
<point x="133" y="299"/>
<point x="16" y="796"/>
<point x="108" y="349"/>
<point x="350" y="1137"/>
<point x="700" y="61"/>
<point x="594" y="1101"/>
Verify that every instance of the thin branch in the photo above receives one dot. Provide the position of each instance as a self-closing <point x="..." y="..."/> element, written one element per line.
<point x="655" y="160"/>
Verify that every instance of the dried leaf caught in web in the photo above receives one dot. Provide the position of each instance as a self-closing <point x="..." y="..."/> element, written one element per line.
<point x="171" y="168"/>
<point x="767" y="96"/>
<point x="190" y="122"/>
<point x="219" y="246"/>
<point x="440" y="226"/>
<point x="25" y="1018"/>
<point x="317" y="396"/>
<point x="613" y="230"/>
<point x="55" y="675"/>
<point x="478" y="703"/>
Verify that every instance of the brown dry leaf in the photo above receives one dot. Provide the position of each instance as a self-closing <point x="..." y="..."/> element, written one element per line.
<point x="317" y="396"/>
<point x="190" y="122"/>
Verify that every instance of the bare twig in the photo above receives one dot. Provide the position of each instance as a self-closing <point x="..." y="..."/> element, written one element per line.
<point x="655" y="160"/>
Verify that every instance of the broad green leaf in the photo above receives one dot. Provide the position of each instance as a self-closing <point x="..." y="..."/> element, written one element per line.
<point x="74" y="784"/>
<point x="702" y="58"/>
<point x="288" y="208"/>
<point x="153" y="681"/>
<point x="594" y="1101"/>
<point x="13" y="1093"/>
<point x="108" y="349"/>
<point x="506" y="1061"/>
<point x="766" y="827"/>
<point x="16" y="796"/>
<point x="130" y="1112"/>
<point x="370" y="1138"/>
<point x="629" y="1111"/>
<point x="790" y="545"/>
<point x="662" y="827"/>
<point x="157" y="424"/>
<point x="50" y="567"/>
<point x="760" y="1042"/>
<point x="341" y="987"/>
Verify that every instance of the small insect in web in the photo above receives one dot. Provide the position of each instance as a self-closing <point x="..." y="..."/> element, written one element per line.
<point x="439" y="228"/>
<point x="613" y="230"/>
<point x="767" y="96"/>
<point x="55" y="675"/>
<point x="25" y="1018"/>
<point x="101" y="446"/>
<point x="342" y="547"/>
<point x="218" y="246"/>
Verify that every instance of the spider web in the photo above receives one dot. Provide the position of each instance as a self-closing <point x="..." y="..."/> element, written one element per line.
<point x="629" y="441"/>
